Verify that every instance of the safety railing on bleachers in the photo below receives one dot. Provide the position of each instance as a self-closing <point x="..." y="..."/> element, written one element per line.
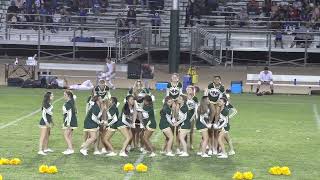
<point x="204" y="41"/>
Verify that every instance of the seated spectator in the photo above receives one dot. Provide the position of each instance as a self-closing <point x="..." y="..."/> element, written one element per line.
<point x="253" y="7"/>
<point x="243" y="17"/>
<point x="278" y="39"/>
<point x="265" y="78"/>
<point x="12" y="12"/>
<point x="83" y="14"/>
<point x="132" y="16"/>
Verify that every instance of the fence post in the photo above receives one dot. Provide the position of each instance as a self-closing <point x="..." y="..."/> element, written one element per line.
<point x="6" y="29"/>
<point x="39" y="44"/>
<point x="74" y="45"/>
<point x="191" y="45"/>
<point x="305" y="51"/>
<point x="269" y="51"/>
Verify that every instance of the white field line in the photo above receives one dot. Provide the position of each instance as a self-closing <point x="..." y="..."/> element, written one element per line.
<point x="26" y="116"/>
<point x="141" y="157"/>
<point x="316" y="115"/>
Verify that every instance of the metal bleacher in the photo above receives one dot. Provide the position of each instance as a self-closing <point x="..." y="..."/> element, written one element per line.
<point x="203" y="40"/>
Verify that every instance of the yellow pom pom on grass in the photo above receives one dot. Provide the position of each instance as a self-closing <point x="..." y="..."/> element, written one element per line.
<point x="4" y="161"/>
<point x="1" y="178"/>
<point x="128" y="167"/>
<point x="15" y="161"/>
<point x="43" y="169"/>
<point x="52" y="170"/>
<point x="237" y="176"/>
<point x="248" y="175"/>
<point x="285" y="171"/>
<point x="141" y="168"/>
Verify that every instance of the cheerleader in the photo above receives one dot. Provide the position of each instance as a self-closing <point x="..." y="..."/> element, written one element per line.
<point x="149" y="122"/>
<point x="138" y="92"/>
<point x="192" y="104"/>
<point x="128" y="118"/>
<point x="214" y="92"/>
<point x="203" y="124"/>
<point x="70" y="120"/>
<point x="232" y="112"/>
<point x="102" y="90"/>
<point x="174" y="90"/>
<point x="222" y="127"/>
<point x="166" y="123"/>
<point x="113" y="117"/>
<point x="91" y="124"/>
<point x="184" y="124"/>
<point x="45" y="124"/>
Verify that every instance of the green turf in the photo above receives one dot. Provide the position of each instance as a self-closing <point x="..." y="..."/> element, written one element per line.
<point x="267" y="131"/>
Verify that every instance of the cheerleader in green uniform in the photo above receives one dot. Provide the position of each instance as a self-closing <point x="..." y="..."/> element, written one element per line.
<point x="214" y="92"/>
<point x="138" y="92"/>
<point x="91" y="125"/>
<point x="111" y="124"/>
<point x="203" y="124"/>
<point x="102" y="90"/>
<point x="174" y="90"/>
<point x="128" y="118"/>
<point x="184" y="124"/>
<point x="166" y="123"/>
<point x="232" y="112"/>
<point x="222" y="127"/>
<point x="149" y="123"/>
<point x="70" y="120"/>
<point x="45" y="124"/>
<point x="192" y="104"/>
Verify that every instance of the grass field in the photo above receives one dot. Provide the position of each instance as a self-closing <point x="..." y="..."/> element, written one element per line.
<point x="267" y="131"/>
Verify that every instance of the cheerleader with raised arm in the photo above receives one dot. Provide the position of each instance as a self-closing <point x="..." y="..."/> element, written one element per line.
<point x="128" y="118"/>
<point x="150" y="124"/>
<point x="69" y="120"/>
<point x="91" y="125"/>
<point x="192" y="104"/>
<point x="45" y="124"/>
<point x="166" y="124"/>
<point x="184" y="124"/>
<point x="203" y="124"/>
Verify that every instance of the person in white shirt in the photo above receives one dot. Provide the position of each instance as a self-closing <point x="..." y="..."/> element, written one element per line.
<point x="265" y="78"/>
<point x="110" y="71"/>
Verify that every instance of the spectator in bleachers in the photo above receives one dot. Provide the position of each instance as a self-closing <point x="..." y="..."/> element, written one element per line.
<point x="121" y="25"/>
<point x="278" y="39"/>
<point x="132" y="16"/>
<point x="189" y="14"/>
<point x="243" y="17"/>
<point x="253" y="7"/>
<point x="155" y="23"/>
<point x="83" y="14"/>
<point x="12" y="12"/>
<point x="65" y="17"/>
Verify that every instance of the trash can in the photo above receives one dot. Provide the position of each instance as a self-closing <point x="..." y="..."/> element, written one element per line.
<point x="236" y="87"/>
<point x="187" y="81"/>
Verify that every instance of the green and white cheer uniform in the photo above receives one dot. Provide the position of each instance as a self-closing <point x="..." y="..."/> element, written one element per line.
<point x="69" y="116"/>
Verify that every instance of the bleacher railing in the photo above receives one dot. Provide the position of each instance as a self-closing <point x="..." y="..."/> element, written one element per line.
<point x="205" y="41"/>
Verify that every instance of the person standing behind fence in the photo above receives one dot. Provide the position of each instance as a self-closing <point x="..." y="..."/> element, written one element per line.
<point x="265" y="78"/>
<point x="110" y="72"/>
